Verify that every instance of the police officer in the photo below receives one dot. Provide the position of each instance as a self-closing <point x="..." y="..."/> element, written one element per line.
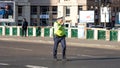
<point x="59" y="37"/>
<point x="24" y="27"/>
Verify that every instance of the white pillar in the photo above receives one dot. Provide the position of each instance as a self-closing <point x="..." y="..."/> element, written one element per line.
<point x="34" y="31"/>
<point x="107" y="35"/>
<point x="51" y="32"/>
<point x="82" y="30"/>
<point x="95" y="34"/>
<point x="42" y="32"/>
<point x="74" y="14"/>
<point x="85" y="33"/>
<point x="118" y="35"/>
<point x="27" y="30"/>
<point x="18" y="31"/>
<point x="69" y="32"/>
<point x="11" y="31"/>
<point x="3" y="30"/>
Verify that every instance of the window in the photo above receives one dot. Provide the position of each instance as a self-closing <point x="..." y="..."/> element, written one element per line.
<point x="54" y="10"/>
<point x="44" y="9"/>
<point x="67" y="10"/>
<point x="33" y="9"/>
<point x="19" y="22"/>
<point x="79" y="8"/>
<point x="20" y="10"/>
<point x="107" y="1"/>
<point x="117" y="9"/>
<point x="44" y="22"/>
<point x="114" y="9"/>
<point x="44" y="15"/>
<point x="33" y="22"/>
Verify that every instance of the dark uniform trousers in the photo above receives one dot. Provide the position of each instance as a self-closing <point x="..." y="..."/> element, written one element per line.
<point x="58" y="40"/>
<point x="24" y="32"/>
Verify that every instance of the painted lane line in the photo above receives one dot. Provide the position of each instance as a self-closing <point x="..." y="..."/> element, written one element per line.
<point x="32" y="66"/>
<point x="91" y="56"/>
<point x="22" y="49"/>
<point x="5" y="64"/>
<point x="57" y="53"/>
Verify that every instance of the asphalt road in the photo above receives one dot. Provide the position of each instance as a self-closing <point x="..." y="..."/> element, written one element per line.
<point x="36" y="55"/>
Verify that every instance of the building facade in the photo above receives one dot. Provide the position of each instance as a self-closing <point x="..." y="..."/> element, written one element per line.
<point x="69" y="9"/>
<point x="37" y="12"/>
<point x="45" y="12"/>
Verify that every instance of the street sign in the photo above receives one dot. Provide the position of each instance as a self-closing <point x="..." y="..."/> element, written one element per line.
<point x="44" y="16"/>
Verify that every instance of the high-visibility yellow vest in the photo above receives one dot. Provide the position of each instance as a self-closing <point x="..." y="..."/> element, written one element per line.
<point x="59" y="29"/>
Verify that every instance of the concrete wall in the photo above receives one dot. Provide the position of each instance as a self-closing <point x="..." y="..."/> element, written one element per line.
<point x="73" y="18"/>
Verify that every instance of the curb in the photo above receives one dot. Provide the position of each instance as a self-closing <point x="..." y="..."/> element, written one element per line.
<point x="100" y="46"/>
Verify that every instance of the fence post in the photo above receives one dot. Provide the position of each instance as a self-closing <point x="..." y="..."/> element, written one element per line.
<point x="107" y="35"/>
<point x="18" y="31"/>
<point x="42" y="32"/>
<point x="69" y="32"/>
<point x="34" y="31"/>
<point x="95" y="34"/>
<point x="51" y="32"/>
<point x="11" y="30"/>
<point x="3" y="32"/>
<point x="118" y="35"/>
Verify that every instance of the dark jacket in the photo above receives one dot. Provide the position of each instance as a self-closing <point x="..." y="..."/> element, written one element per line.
<point x="24" y="25"/>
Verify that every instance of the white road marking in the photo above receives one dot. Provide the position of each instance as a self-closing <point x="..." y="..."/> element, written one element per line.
<point x="57" y="53"/>
<point x="23" y="49"/>
<point x="4" y="64"/>
<point x="72" y="57"/>
<point x="32" y="66"/>
<point x="91" y="56"/>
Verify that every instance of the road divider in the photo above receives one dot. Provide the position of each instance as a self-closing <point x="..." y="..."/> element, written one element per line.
<point x="86" y="33"/>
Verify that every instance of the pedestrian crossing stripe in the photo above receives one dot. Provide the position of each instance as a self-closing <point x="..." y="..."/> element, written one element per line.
<point x="4" y="64"/>
<point x="32" y="66"/>
<point x="28" y="66"/>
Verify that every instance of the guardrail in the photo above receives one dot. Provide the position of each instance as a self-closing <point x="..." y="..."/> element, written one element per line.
<point x="89" y="33"/>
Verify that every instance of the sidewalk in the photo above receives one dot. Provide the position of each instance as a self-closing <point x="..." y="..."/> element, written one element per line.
<point x="70" y="42"/>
